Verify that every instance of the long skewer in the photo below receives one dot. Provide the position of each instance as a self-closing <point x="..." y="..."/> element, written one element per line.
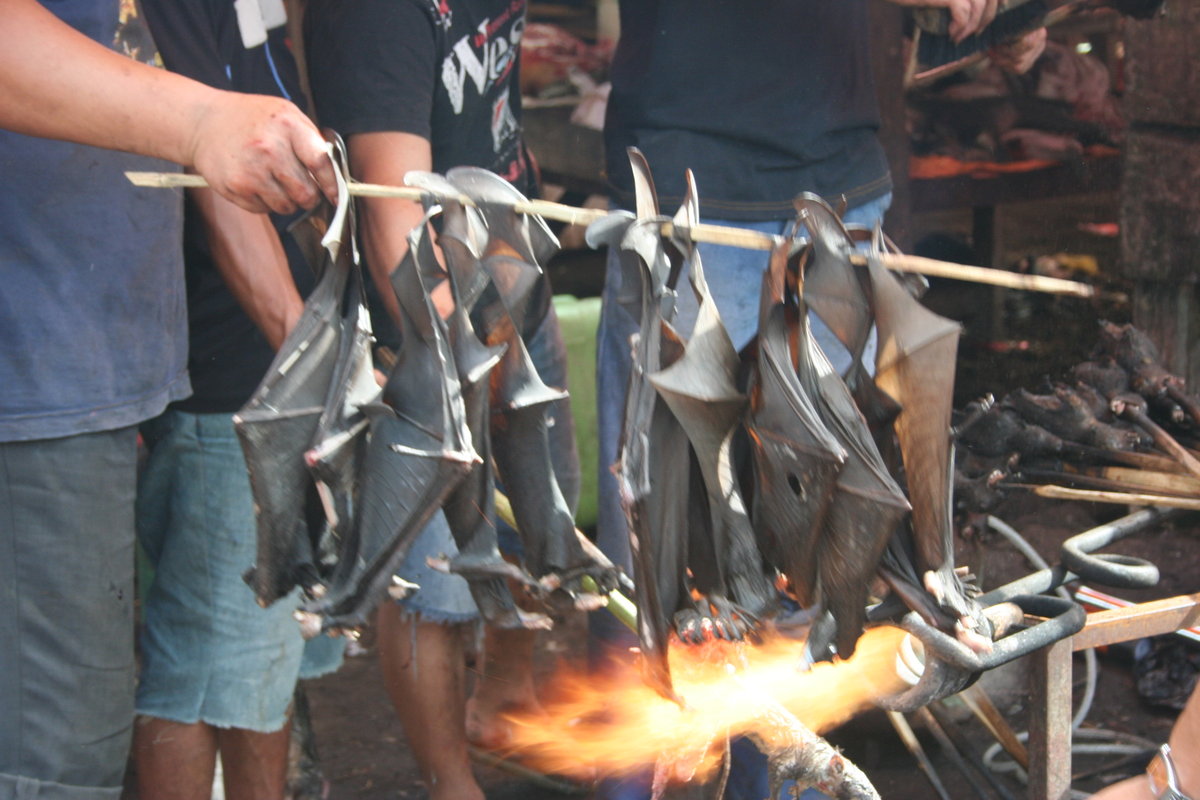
<point x="1097" y="496"/>
<point x="707" y="234"/>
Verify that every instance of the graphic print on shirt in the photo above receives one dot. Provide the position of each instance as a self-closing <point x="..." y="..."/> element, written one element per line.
<point x="482" y="59"/>
<point x="132" y="37"/>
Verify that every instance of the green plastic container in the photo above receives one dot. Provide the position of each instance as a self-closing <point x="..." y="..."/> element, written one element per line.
<point x="579" y="319"/>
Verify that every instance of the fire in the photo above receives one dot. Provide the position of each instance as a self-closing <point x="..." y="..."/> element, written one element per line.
<point x="615" y="724"/>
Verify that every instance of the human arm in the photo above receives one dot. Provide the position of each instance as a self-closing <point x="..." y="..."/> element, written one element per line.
<point x="1185" y="752"/>
<point x="386" y="157"/>
<point x="1019" y="55"/>
<point x="373" y="70"/>
<point x="247" y="252"/>
<point x="967" y="17"/>
<point x="260" y="152"/>
<point x="194" y="40"/>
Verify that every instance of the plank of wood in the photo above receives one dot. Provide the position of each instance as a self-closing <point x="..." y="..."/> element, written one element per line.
<point x="1123" y="498"/>
<point x="1149" y="480"/>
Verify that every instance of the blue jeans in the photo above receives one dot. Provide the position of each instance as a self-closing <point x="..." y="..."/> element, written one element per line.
<point x="734" y="277"/>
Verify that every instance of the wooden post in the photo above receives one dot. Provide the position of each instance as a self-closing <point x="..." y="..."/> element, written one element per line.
<point x="1050" y="722"/>
<point x="887" y="63"/>
<point x="1160" y="208"/>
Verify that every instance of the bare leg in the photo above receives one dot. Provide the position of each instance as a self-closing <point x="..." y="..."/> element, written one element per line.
<point x="1185" y="752"/>
<point x="255" y="764"/>
<point x="425" y="683"/>
<point x="505" y="684"/>
<point x="175" y="761"/>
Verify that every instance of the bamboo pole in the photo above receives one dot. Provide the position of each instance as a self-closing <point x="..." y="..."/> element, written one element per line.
<point x="1124" y="498"/>
<point x="706" y="234"/>
<point x="543" y="780"/>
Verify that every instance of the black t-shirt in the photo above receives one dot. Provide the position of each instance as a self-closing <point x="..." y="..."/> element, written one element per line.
<point x="443" y="70"/>
<point x="761" y="100"/>
<point x="228" y="355"/>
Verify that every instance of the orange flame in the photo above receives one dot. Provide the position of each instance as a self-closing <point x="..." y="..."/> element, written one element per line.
<point x="615" y="724"/>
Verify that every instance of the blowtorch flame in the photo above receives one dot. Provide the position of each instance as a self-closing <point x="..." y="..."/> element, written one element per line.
<point x="615" y="724"/>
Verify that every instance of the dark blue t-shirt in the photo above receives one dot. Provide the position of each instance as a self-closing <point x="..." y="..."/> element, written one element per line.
<point x="761" y="100"/>
<point x="92" y="314"/>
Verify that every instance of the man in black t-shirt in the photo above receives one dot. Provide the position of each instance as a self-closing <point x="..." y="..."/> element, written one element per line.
<point x="430" y="85"/>
<point x="217" y="671"/>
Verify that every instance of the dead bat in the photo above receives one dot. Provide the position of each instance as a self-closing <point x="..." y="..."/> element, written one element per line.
<point x="654" y="459"/>
<point x="700" y="388"/>
<point x="335" y="457"/>
<point x="519" y="399"/>
<point x="1134" y="351"/>
<point x="1067" y="415"/>
<point x="867" y="504"/>
<point x="838" y="294"/>
<point x="418" y="451"/>
<point x="796" y="458"/>
<point x="1001" y="431"/>
<point x="914" y="365"/>
<point x="280" y="421"/>
<point x="470" y="508"/>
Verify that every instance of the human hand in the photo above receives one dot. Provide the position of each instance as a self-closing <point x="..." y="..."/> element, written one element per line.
<point x="262" y="153"/>
<point x="1020" y="54"/>
<point x="967" y="17"/>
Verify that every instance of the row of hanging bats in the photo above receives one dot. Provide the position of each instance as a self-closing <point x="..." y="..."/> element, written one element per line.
<point x="743" y="474"/>
<point x="1120" y="421"/>
<point x="345" y="474"/>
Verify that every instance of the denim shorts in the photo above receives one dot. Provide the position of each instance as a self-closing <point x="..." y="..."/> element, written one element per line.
<point x="209" y="652"/>
<point x="446" y="598"/>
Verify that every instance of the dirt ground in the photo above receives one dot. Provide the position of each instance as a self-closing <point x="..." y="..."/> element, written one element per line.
<point x="363" y="748"/>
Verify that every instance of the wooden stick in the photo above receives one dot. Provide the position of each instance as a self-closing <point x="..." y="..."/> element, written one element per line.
<point x="985" y="711"/>
<point x="706" y="234"/>
<point x="910" y="740"/>
<point x="1124" y="498"/>
<point x="528" y="773"/>
<point x="1088" y="480"/>
<point x="1147" y="480"/>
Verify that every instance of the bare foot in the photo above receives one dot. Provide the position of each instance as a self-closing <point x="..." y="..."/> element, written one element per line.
<point x="487" y="727"/>
<point x="504" y="685"/>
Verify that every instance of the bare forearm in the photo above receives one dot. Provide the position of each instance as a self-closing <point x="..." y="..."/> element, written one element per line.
<point x="386" y="158"/>
<point x="250" y="257"/>
<point x="93" y="95"/>
<point x="260" y="152"/>
<point x="967" y="17"/>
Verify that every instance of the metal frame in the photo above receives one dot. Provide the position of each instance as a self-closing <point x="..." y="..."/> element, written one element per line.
<point x="1050" y="682"/>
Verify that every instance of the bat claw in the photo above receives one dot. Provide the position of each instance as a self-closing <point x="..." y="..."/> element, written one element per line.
<point x="401" y="588"/>
<point x="310" y="624"/>
<point x="964" y="631"/>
